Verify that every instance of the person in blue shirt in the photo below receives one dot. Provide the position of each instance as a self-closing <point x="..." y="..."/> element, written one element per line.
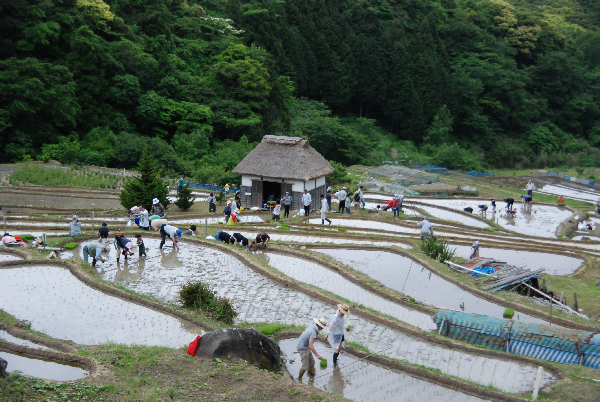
<point x="306" y="344"/>
<point x="227" y="211"/>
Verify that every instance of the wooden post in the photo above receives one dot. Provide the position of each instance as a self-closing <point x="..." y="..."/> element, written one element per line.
<point x="205" y="227"/>
<point x="544" y="285"/>
<point x="44" y="240"/>
<point x="551" y="306"/>
<point x="562" y="296"/>
<point x="536" y="384"/>
<point x="575" y="302"/>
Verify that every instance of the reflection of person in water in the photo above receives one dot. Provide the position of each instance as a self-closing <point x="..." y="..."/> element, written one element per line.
<point x="169" y="259"/>
<point x="130" y="272"/>
<point x="335" y="385"/>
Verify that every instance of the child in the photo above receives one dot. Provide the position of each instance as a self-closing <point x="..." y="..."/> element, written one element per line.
<point x="493" y="206"/>
<point x="140" y="243"/>
<point x="191" y="231"/>
<point x="561" y="201"/>
<point x="276" y="211"/>
<point x="103" y="232"/>
<point x="348" y="203"/>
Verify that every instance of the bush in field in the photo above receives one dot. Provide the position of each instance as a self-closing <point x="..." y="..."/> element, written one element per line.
<point x="437" y="249"/>
<point x="143" y="188"/>
<point x="200" y="296"/>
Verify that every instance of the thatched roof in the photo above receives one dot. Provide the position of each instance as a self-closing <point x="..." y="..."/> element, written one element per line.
<point x="278" y="157"/>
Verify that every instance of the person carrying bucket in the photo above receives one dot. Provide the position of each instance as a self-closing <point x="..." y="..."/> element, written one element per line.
<point x="337" y="326"/>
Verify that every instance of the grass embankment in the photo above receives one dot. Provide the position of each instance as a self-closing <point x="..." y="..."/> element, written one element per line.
<point x="79" y="177"/>
<point x="139" y="373"/>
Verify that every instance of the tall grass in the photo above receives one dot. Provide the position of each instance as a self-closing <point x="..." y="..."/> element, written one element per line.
<point x="437" y="249"/>
<point x="63" y="177"/>
<point x="200" y="296"/>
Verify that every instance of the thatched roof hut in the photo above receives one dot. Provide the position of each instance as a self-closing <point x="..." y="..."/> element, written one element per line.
<point x="279" y="157"/>
<point x="279" y="165"/>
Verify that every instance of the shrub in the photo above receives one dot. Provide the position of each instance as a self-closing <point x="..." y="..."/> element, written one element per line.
<point x="437" y="249"/>
<point x="200" y="296"/>
<point x="71" y="245"/>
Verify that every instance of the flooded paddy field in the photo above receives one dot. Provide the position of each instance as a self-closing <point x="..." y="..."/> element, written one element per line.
<point x="553" y="264"/>
<point x="366" y="381"/>
<point x="39" y="368"/>
<point x="566" y="191"/>
<point x="454" y="217"/>
<point x="537" y="220"/>
<point x="9" y="257"/>
<point x="317" y="275"/>
<point x="257" y="298"/>
<point x="406" y="276"/>
<point x="212" y="221"/>
<point x="59" y="305"/>
<point x="364" y="224"/>
<point x="5" y="336"/>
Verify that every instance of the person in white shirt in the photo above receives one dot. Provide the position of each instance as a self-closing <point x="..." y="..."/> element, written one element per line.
<point x="306" y="201"/>
<point x="276" y="211"/>
<point x="426" y="228"/>
<point x="172" y="233"/>
<point x="324" y="209"/>
<point x="530" y="187"/>
<point x="362" y="196"/>
<point x="337" y="327"/>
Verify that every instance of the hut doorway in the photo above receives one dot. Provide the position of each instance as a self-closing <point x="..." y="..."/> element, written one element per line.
<point x="271" y="188"/>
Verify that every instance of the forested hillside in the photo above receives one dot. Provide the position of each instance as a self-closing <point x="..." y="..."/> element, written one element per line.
<point x="466" y="84"/>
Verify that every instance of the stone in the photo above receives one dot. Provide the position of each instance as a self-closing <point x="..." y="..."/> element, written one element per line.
<point x="3" y="365"/>
<point x="247" y="344"/>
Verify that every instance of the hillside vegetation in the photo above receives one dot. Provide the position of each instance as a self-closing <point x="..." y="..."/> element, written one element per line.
<point x="464" y="84"/>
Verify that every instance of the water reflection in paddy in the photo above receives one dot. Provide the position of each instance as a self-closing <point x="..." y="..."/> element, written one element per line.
<point x="406" y="276"/>
<point x="41" y="368"/>
<point x="365" y="381"/>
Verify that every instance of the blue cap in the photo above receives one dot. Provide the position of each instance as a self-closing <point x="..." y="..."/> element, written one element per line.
<point x="178" y="233"/>
<point x="426" y="218"/>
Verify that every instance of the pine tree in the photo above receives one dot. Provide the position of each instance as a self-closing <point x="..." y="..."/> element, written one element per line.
<point x="185" y="199"/>
<point x="143" y="188"/>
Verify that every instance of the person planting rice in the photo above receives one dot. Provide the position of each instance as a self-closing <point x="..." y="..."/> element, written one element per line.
<point x="103" y="232"/>
<point x="482" y="209"/>
<point x="172" y="233"/>
<point x="526" y="199"/>
<point x="260" y="238"/>
<point x="95" y="250"/>
<point x="306" y="344"/>
<point x="337" y="326"/>
<point x="155" y="224"/>
<point x="493" y="203"/>
<point x="239" y="240"/>
<point x="223" y="236"/>
<point x="474" y="250"/>
<point x="509" y="203"/>
<point x="426" y="228"/>
<point x="191" y="231"/>
<point x="123" y="243"/>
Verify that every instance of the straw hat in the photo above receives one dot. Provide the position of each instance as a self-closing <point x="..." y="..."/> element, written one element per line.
<point x="154" y="201"/>
<point x="228" y="202"/>
<point x="344" y="308"/>
<point x="321" y="322"/>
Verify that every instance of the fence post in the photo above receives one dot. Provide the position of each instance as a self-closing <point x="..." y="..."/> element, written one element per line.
<point x="575" y="302"/>
<point x="536" y="384"/>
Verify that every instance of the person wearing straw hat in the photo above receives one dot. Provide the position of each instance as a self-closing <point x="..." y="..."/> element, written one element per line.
<point x="157" y="207"/>
<point x="306" y="344"/>
<point x="337" y="326"/>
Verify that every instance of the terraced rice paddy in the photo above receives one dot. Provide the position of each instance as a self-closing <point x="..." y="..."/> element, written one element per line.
<point x="406" y="276"/>
<point x="59" y="305"/>
<point x="41" y="368"/>
<point x="365" y="381"/>
<point x="259" y="299"/>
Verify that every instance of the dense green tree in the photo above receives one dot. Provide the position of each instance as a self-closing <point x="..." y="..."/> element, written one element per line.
<point x="185" y="199"/>
<point x="140" y="190"/>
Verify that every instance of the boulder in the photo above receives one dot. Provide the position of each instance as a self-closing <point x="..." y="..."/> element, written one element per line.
<point x="3" y="365"/>
<point x="247" y="344"/>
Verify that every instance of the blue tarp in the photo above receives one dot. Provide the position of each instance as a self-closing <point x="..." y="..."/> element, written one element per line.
<point x="477" y="173"/>
<point x="438" y="169"/>
<point x="211" y="187"/>
<point x="542" y="341"/>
